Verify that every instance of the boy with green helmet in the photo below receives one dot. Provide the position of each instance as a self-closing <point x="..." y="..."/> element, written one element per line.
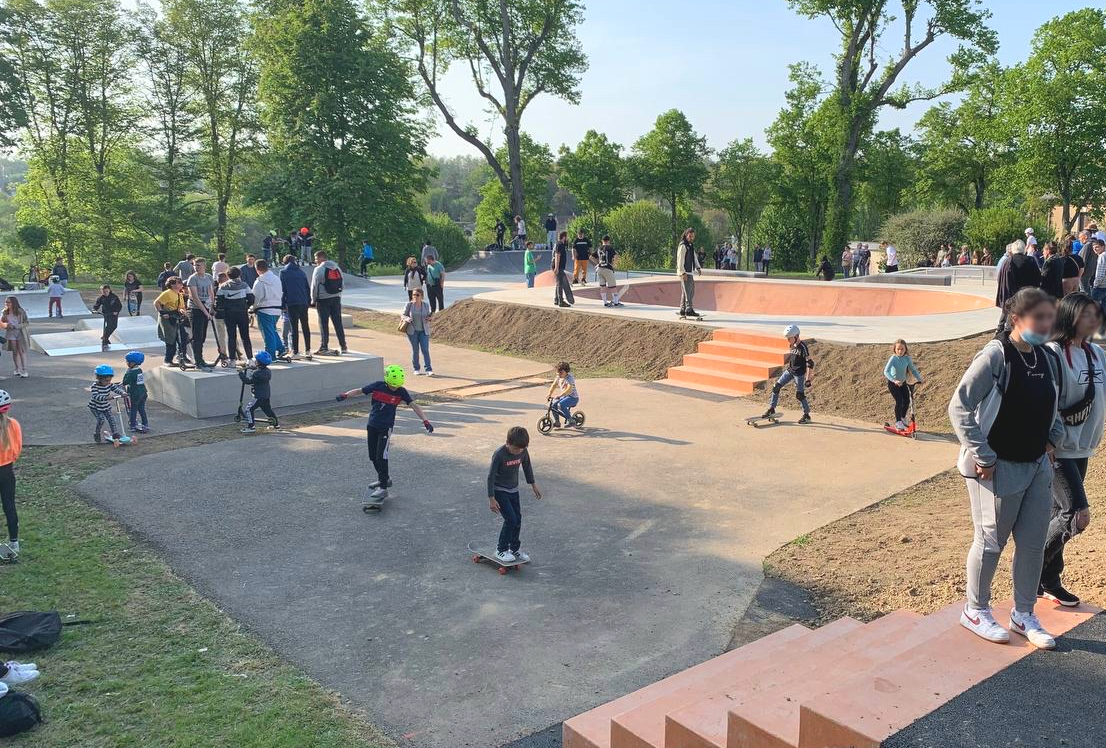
<point x="386" y="396"/>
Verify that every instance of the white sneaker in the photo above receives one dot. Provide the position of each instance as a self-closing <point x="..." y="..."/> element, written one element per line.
<point x="17" y="676"/>
<point x="429" y="373"/>
<point x="900" y="425"/>
<point x="521" y="555"/>
<point x="418" y="373"/>
<point x="379" y="493"/>
<point x="505" y="556"/>
<point x="1027" y="625"/>
<point x="982" y="623"/>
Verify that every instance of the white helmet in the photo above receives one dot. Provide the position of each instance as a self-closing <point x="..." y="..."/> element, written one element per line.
<point x="792" y="331"/>
<point x="5" y="401"/>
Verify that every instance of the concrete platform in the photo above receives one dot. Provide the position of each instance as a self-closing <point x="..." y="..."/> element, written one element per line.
<point x="132" y="333"/>
<point x="35" y="303"/>
<point x="203" y="395"/>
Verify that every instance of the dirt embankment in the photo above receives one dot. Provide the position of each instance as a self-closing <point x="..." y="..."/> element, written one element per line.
<point x="593" y="344"/>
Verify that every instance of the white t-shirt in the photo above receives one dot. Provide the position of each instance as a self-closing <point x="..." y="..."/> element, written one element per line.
<point x="767" y="253"/>
<point x="892" y="255"/>
<point x="522" y="228"/>
<point x="1082" y="440"/>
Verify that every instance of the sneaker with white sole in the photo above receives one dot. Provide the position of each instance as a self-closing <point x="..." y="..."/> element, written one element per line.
<point x="521" y="555"/>
<point x="505" y="556"/>
<point x="982" y="623"/>
<point x="18" y="676"/>
<point x="1059" y="595"/>
<point x="379" y="493"/>
<point x="1027" y="625"/>
<point x="376" y="484"/>
<point x="900" y="425"/>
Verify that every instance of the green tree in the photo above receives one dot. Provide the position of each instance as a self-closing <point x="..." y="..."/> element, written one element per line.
<point x="996" y="227"/>
<point x="595" y="174"/>
<point x="1054" y="114"/>
<point x="339" y="115"/>
<point x="886" y="169"/>
<point x="864" y="82"/>
<point x="13" y="100"/>
<point x="670" y="162"/>
<point x="495" y="202"/>
<point x="920" y="233"/>
<point x="515" y="51"/>
<point x="641" y="231"/>
<point x="741" y="183"/>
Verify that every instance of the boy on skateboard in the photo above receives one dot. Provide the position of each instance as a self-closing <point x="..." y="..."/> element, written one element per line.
<point x="259" y="377"/>
<point x="800" y="370"/>
<point x="386" y="397"/>
<point x="503" y="492"/>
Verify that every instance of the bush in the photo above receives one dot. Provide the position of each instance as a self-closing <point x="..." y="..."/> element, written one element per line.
<point x="994" y="228"/>
<point x="642" y="233"/>
<point x="449" y="239"/>
<point x="920" y="233"/>
<point x="790" y="244"/>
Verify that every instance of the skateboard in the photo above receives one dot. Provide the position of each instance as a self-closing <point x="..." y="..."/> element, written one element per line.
<point x="695" y="317"/>
<point x="481" y="553"/>
<point x="371" y="505"/>
<point x="759" y="421"/>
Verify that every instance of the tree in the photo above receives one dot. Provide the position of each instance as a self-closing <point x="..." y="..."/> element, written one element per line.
<point x="339" y="115"/>
<point x="13" y="102"/>
<point x="1055" y="116"/>
<point x="641" y="231"/>
<point x="885" y="167"/>
<point x="741" y="183"/>
<point x="863" y="84"/>
<point x="669" y="162"/>
<point x="595" y="174"/>
<point x="495" y="202"/>
<point x="514" y="50"/>
<point x="223" y="72"/>
<point x="962" y="147"/>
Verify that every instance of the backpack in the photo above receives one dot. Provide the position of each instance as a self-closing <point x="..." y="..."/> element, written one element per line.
<point x="332" y="281"/>
<point x="19" y="712"/>
<point x="28" y="631"/>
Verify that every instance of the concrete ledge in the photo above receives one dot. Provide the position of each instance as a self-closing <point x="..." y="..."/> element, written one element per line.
<point x="902" y="279"/>
<point x="203" y="395"/>
<point x="125" y="322"/>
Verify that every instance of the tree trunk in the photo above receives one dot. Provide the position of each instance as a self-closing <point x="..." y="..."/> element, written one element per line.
<point x="980" y="188"/>
<point x="514" y="168"/>
<point x="221" y="227"/>
<point x="840" y="211"/>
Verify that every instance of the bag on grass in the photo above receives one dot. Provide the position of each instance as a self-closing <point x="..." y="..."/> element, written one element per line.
<point x="19" y="712"/>
<point x="28" y="631"/>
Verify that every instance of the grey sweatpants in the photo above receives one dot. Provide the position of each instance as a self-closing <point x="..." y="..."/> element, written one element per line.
<point x="687" y="295"/>
<point x="1017" y="501"/>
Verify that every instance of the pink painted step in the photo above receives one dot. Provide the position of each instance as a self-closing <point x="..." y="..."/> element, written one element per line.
<point x="644" y="727"/>
<point x="731" y="365"/>
<point x="743" y="384"/>
<point x="592" y="729"/>
<point x="773" y="356"/>
<point x="752" y="338"/>
<point x="863" y="711"/>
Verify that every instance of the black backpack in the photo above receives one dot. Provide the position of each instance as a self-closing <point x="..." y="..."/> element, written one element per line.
<point x="28" y="631"/>
<point x="332" y="280"/>
<point x="19" y="712"/>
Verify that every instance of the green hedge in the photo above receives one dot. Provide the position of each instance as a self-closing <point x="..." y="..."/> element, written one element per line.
<point x="994" y="228"/>
<point x="919" y="233"/>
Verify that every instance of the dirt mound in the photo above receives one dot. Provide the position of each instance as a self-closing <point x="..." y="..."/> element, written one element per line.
<point x="594" y="344"/>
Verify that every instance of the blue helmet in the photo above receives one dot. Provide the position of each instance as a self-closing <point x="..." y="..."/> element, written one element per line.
<point x="135" y="357"/>
<point x="103" y="370"/>
<point x="263" y="358"/>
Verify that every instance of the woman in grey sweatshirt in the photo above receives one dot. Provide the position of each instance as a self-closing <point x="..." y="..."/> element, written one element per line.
<point x="1004" y="414"/>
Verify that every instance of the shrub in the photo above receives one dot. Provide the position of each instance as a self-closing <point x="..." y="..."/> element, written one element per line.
<point x="994" y="228"/>
<point x="790" y="244"/>
<point x="449" y="239"/>
<point x="920" y="233"/>
<point x="642" y="232"/>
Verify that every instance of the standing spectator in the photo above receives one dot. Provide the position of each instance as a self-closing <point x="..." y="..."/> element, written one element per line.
<point x="847" y="261"/>
<point x="249" y="270"/>
<point x="1098" y="283"/>
<point x="326" y="293"/>
<point x="1057" y="272"/>
<point x="1032" y="251"/>
<point x="108" y="305"/>
<point x="172" y="319"/>
<point x="18" y="333"/>
<point x="267" y="246"/>
<point x="865" y="259"/>
<point x="581" y="251"/>
<point x="61" y="271"/>
<point x="964" y="258"/>
<point x="520" y="233"/>
<point x="132" y="290"/>
<point x="758" y="259"/>
<point x="201" y="305"/>
<point x="220" y="265"/>
<point x="765" y="258"/>
<point x="185" y="267"/>
<point x="1090" y="266"/>
<point x="858" y="260"/>
<point x="435" y="284"/>
<point x="529" y="266"/>
<point x="429" y="253"/>
<point x="718" y="255"/>
<point x="11" y="446"/>
<point x="891" y="257"/>
<point x="729" y="257"/>
<point x="986" y="258"/>
<point x="368" y="255"/>
<point x="234" y="299"/>
<point x="296" y="300"/>
<point x="550" y="230"/>
<point x="562" y="289"/>
<point x="55" y="292"/>
<point x="413" y="276"/>
<point x="500" y="232"/>
<point x="1016" y="271"/>
<point x="1071" y="285"/>
<point x="417" y="314"/>
<point x="166" y="273"/>
<point x="687" y="267"/>
<point x="267" y="294"/>
<point x="307" y="241"/>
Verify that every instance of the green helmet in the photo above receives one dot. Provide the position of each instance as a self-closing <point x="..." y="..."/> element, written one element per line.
<point x="394" y="376"/>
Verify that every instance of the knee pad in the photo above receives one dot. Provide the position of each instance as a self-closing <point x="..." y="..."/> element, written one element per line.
<point x="776" y="388"/>
<point x="800" y="396"/>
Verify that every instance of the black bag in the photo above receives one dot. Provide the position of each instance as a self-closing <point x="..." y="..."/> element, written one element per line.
<point x="1078" y="412"/>
<point x="19" y="712"/>
<point x="28" y="631"/>
<point x="332" y="280"/>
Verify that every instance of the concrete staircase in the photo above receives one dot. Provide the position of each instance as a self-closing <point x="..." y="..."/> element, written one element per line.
<point x="845" y="685"/>
<point x="732" y="362"/>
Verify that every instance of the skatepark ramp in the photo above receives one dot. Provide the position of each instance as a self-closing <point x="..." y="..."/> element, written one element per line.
<point x="132" y="333"/>
<point x="845" y="685"/>
<point x="35" y="303"/>
<point x="732" y="362"/>
<point x="508" y="262"/>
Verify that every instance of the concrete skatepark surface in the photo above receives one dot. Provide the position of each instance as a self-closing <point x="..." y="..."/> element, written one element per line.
<point x="647" y="547"/>
<point x="36" y="303"/>
<point x="508" y="262"/>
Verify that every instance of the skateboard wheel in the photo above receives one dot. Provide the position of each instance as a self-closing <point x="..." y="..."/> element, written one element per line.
<point x="502" y="569"/>
<point x="476" y="559"/>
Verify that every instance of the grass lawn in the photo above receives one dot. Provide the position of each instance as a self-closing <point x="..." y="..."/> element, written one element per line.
<point x="160" y="665"/>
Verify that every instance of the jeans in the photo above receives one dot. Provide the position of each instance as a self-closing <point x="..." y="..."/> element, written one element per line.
<point x="1068" y="498"/>
<point x="104" y="418"/>
<point x="563" y="406"/>
<point x="419" y="340"/>
<point x="530" y="280"/>
<point x="297" y="319"/>
<point x="330" y="311"/>
<point x="800" y="391"/>
<point x="273" y="344"/>
<point x="551" y="238"/>
<point x="7" y="498"/>
<point x="563" y="289"/>
<point x="857" y="267"/>
<point x="137" y="411"/>
<point x="378" y="452"/>
<point x="238" y="325"/>
<point x="510" y="508"/>
<point x="199" y="334"/>
<point x="435" y="296"/>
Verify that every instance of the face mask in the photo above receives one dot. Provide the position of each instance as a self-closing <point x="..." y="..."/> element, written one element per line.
<point x="1034" y="338"/>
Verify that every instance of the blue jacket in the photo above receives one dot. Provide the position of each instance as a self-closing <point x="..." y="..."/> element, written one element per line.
<point x="296" y="289"/>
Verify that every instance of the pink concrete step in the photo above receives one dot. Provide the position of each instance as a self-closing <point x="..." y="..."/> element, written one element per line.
<point x="731" y="365"/>
<point x="751" y="338"/>
<point x="684" y="385"/>
<point x="864" y="711"/>
<point x="592" y="729"/>
<point x="772" y="356"/>
<point x="644" y="727"/>
<point x="705" y="724"/>
<point x="738" y="384"/>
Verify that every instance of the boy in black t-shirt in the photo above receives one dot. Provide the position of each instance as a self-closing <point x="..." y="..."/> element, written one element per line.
<point x="799" y="369"/>
<point x="386" y="396"/>
<point x="503" y="492"/>
<point x="605" y="272"/>
<point x="581" y="250"/>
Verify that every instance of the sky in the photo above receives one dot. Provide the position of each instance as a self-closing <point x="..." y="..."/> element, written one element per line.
<point x="722" y="62"/>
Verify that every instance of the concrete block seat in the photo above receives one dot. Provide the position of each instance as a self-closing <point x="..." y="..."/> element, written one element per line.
<point x="205" y="395"/>
<point x="846" y="684"/>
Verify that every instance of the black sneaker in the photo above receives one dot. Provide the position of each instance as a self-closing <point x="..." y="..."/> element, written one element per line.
<point x="769" y="413"/>
<point x="805" y="418"/>
<point x="1059" y="595"/>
